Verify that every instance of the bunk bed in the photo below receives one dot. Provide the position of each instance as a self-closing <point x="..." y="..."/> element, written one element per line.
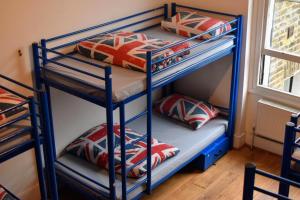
<point x="19" y="130"/>
<point x="57" y="65"/>
<point x="249" y="183"/>
<point x="290" y="157"/>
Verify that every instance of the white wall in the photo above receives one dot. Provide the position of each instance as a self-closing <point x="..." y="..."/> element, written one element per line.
<point x="23" y="22"/>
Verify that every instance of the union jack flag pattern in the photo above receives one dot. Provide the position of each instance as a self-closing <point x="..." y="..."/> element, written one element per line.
<point x="4" y="195"/>
<point x="127" y="49"/>
<point x="189" y="24"/>
<point x="186" y="109"/>
<point x="8" y="100"/>
<point x="92" y="147"/>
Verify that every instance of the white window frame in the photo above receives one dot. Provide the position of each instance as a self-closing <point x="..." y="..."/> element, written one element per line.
<point x="258" y="49"/>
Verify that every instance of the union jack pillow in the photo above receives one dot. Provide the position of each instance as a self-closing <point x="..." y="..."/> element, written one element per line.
<point x="7" y="101"/>
<point x="189" y="24"/>
<point x="186" y="109"/>
<point x="128" y="50"/>
<point x="92" y="147"/>
<point x="4" y="195"/>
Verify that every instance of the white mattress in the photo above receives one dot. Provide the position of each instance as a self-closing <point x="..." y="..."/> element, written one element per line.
<point x="188" y="141"/>
<point x="126" y="83"/>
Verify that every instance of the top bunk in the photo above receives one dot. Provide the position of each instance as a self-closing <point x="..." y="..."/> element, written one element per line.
<point x="59" y="65"/>
<point x="18" y="122"/>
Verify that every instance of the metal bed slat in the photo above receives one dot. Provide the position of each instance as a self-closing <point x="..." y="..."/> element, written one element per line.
<point x="110" y="31"/>
<point x="12" y="152"/>
<point x="17" y="119"/>
<point x="17" y="83"/>
<point x="192" y="47"/>
<point x="15" y="134"/>
<point x="280" y="179"/>
<point x="270" y="193"/>
<point x="13" y="107"/>
<point x="70" y="57"/>
<point x="75" y="69"/>
<point x="188" y="58"/>
<point x="137" y="185"/>
<point x="72" y="79"/>
<point x="204" y="10"/>
<point x="136" y="117"/>
<point x="13" y="92"/>
<point x="105" y="24"/>
<point x="191" y="38"/>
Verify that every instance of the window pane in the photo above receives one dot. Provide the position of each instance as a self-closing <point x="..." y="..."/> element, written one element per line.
<point x="280" y="74"/>
<point x="284" y="34"/>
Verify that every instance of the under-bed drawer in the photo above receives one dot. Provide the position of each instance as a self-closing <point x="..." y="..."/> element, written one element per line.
<point x="213" y="152"/>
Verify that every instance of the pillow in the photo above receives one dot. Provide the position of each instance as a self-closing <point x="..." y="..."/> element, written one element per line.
<point x="9" y="100"/>
<point x="128" y="50"/>
<point x="4" y="195"/>
<point x="92" y="147"/>
<point x="188" y="110"/>
<point x="189" y="24"/>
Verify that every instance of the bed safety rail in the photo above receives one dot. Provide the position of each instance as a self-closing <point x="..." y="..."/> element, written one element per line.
<point x="20" y="125"/>
<point x="42" y="56"/>
<point x="249" y="183"/>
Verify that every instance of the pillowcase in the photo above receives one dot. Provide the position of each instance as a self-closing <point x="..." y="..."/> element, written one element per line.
<point x="128" y="50"/>
<point x="9" y="100"/>
<point x="92" y="147"/>
<point x="4" y="195"/>
<point x="186" y="109"/>
<point x="189" y="24"/>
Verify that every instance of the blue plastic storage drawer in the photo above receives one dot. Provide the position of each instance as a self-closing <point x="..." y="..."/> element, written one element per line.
<point x="213" y="152"/>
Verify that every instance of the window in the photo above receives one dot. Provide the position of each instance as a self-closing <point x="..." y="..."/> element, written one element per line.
<point x="279" y="66"/>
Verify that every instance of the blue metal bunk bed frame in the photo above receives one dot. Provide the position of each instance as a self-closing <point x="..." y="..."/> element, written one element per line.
<point x="40" y="53"/>
<point x="249" y="183"/>
<point x="37" y="135"/>
<point x="290" y="144"/>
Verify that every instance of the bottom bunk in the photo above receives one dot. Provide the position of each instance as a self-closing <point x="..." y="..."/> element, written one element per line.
<point x="193" y="145"/>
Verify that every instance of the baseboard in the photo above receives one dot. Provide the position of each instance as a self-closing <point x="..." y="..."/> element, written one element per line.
<point x="239" y="140"/>
<point x="268" y="145"/>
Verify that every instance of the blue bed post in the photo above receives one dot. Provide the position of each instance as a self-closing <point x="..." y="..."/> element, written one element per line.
<point x="48" y="152"/>
<point x="249" y="180"/>
<point x="37" y="146"/>
<point x="173" y="9"/>
<point x="294" y="119"/>
<point x="235" y="78"/>
<point x="287" y="156"/>
<point x="166" y="11"/>
<point x="47" y="88"/>
<point x="110" y="133"/>
<point x="149" y="121"/>
<point x="123" y="151"/>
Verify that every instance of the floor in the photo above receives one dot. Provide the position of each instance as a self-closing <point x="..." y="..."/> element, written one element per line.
<point x="222" y="181"/>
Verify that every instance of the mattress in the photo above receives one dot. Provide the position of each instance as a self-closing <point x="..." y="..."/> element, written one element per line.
<point x="5" y="133"/>
<point x="126" y="83"/>
<point x="188" y="141"/>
